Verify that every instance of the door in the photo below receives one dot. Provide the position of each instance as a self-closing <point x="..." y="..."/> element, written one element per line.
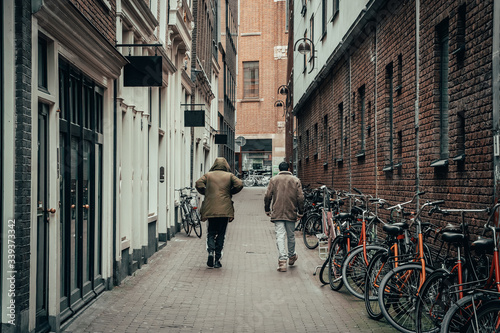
<point x="43" y="212"/>
<point x="80" y="189"/>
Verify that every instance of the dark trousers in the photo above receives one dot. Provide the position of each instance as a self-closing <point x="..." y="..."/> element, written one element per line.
<point x="216" y="234"/>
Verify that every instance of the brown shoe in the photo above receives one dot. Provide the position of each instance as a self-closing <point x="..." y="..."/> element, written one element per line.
<point x="293" y="259"/>
<point x="281" y="265"/>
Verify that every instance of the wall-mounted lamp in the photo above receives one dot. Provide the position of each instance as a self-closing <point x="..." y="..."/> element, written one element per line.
<point x="305" y="47"/>
<point x="279" y="103"/>
<point x="283" y="89"/>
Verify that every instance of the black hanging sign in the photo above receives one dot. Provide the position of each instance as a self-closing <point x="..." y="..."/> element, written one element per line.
<point x="143" y="71"/>
<point x="194" y="118"/>
<point x="220" y="139"/>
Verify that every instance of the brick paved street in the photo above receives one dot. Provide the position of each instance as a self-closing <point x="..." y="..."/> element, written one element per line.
<point x="176" y="292"/>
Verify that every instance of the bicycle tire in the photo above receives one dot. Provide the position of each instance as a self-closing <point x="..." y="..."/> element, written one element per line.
<point x="336" y="258"/>
<point x="323" y="272"/>
<point x="186" y="222"/>
<point x="379" y="266"/>
<point x="249" y="182"/>
<point x="354" y="269"/>
<point x="457" y="319"/>
<point x="434" y="300"/>
<point x="397" y="295"/>
<point x="488" y="318"/>
<point x="195" y="219"/>
<point x="311" y="228"/>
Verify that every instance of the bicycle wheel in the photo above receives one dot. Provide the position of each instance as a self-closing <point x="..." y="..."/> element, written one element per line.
<point x="397" y="296"/>
<point x="488" y="319"/>
<point x="355" y="267"/>
<point x="312" y="227"/>
<point x="186" y="222"/>
<point x="196" y="222"/>
<point x="249" y="182"/>
<point x="336" y="258"/>
<point x="458" y="317"/>
<point x="434" y="299"/>
<point x="323" y="273"/>
<point x="379" y="266"/>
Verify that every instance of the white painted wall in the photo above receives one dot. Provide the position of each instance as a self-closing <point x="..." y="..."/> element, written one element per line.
<point x="336" y="30"/>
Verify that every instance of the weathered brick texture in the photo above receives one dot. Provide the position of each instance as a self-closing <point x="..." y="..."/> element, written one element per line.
<point x="388" y="45"/>
<point x="101" y="17"/>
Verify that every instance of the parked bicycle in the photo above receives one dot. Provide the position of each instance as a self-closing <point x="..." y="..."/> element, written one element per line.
<point x="189" y="211"/>
<point x="254" y="179"/>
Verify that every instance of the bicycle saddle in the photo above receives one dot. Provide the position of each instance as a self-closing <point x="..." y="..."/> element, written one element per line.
<point x="403" y="225"/>
<point x="484" y="245"/>
<point x="452" y="237"/>
<point x="392" y="229"/>
<point x="343" y="216"/>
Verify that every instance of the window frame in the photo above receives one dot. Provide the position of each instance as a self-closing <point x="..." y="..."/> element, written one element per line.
<point x="335" y="9"/>
<point x="248" y="92"/>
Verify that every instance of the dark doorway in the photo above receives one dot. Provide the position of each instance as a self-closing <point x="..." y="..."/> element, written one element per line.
<point x="80" y="141"/>
<point x="42" y="221"/>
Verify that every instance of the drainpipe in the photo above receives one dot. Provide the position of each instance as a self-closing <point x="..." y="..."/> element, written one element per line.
<point x="350" y="124"/>
<point x="115" y="120"/>
<point x="375" y="112"/>
<point x="496" y="99"/>
<point x="417" y="95"/>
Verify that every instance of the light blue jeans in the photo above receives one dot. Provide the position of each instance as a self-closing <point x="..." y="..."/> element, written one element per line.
<point x="285" y="229"/>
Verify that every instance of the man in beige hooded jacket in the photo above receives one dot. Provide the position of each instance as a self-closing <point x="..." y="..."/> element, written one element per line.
<point x="285" y="193"/>
<point x="218" y="187"/>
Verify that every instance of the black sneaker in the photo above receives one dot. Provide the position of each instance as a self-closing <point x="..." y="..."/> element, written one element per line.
<point x="210" y="261"/>
<point x="217" y="264"/>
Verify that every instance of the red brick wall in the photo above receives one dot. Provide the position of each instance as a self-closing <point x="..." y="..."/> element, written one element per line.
<point x="100" y="16"/>
<point x="268" y="19"/>
<point x="461" y="184"/>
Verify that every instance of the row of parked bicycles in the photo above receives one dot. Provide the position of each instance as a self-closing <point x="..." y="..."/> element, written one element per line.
<point x="419" y="276"/>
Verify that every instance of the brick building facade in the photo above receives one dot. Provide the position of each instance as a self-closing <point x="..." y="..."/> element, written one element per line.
<point x="404" y="103"/>
<point x="89" y="162"/>
<point x="262" y="63"/>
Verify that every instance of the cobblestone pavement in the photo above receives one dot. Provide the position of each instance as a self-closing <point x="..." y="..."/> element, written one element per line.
<point x="176" y="292"/>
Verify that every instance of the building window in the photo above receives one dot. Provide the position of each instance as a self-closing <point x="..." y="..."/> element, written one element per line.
<point x="315" y="142"/>
<point x="461" y="25"/>
<point x="42" y="64"/>
<point x="324" y="13"/>
<point x="250" y="79"/>
<point x="389" y="83"/>
<point x="362" y="120"/>
<point x="335" y="7"/>
<point x="341" y="132"/>
<point x="443" y="63"/>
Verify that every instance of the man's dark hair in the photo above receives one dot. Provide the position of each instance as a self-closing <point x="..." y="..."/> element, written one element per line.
<point x="283" y="166"/>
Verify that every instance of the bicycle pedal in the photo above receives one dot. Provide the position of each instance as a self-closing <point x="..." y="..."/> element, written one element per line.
<point x="314" y="274"/>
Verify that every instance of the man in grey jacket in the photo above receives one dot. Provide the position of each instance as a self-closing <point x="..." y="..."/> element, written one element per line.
<point x="284" y="203"/>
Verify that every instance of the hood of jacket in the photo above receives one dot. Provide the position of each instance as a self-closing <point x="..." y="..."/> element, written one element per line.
<point x="220" y="164"/>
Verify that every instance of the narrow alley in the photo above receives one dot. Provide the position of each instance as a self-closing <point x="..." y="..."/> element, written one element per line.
<point x="176" y="292"/>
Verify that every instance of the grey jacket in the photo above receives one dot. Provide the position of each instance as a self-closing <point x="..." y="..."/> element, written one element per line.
<point x="284" y="197"/>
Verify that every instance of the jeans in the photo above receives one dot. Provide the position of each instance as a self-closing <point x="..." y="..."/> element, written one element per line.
<point x="216" y="234"/>
<point x="285" y="228"/>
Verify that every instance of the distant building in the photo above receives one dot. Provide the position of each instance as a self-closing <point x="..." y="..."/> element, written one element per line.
<point x="262" y="64"/>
